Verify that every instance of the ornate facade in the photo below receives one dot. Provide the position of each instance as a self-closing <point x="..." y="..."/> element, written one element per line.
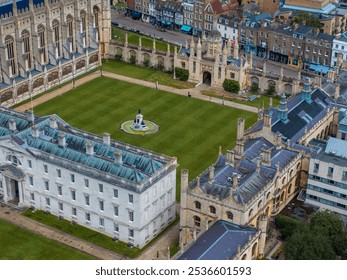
<point x="47" y="42"/>
<point x="263" y="172"/>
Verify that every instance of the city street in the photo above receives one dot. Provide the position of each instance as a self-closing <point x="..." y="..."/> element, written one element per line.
<point x="179" y="38"/>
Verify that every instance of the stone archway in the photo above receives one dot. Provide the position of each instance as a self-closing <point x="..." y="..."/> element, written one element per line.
<point x="207" y="78"/>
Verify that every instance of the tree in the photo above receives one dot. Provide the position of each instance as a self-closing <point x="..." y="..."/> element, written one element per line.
<point x="323" y="238"/>
<point x="231" y="85"/>
<point x="181" y="74"/>
<point x="307" y="19"/>
<point x="329" y="223"/>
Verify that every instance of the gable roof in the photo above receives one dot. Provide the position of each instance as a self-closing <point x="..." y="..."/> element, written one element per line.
<point x="220" y="242"/>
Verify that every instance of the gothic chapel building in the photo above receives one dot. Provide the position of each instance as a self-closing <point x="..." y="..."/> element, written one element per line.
<point x="46" y="42"/>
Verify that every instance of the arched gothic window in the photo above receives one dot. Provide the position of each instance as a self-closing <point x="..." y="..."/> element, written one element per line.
<point x="56" y="37"/>
<point x="230" y="215"/>
<point x="70" y="33"/>
<point x="41" y="32"/>
<point x="9" y="42"/>
<point x="197" y="221"/>
<point x="26" y="49"/>
<point x="197" y="205"/>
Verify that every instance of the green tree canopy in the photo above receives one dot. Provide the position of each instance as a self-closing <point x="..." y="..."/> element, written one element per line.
<point x="307" y="19"/>
<point x="323" y="238"/>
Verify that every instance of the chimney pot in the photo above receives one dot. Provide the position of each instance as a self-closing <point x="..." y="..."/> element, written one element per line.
<point x="89" y="148"/>
<point x="12" y="125"/>
<point x="235" y="181"/>
<point x="118" y="157"/>
<point x="53" y="122"/>
<point x="211" y="175"/>
<point x="35" y="131"/>
<point x="62" y="139"/>
<point x="106" y="138"/>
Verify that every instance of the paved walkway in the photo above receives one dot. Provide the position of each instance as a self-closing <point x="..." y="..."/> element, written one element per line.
<point x="195" y="92"/>
<point x="14" y="216"/>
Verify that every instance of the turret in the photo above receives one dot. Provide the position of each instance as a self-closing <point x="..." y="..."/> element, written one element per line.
<point x="192" y="47"/>
<point x="282" y="111"/>
<point x="198" y="49"/>
<point x="236" y="49"/>
<point x="262" y="225"/>
<point x="306" y="92"/>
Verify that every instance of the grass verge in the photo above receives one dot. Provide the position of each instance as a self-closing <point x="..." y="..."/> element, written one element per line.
<point x="91" y="235"/>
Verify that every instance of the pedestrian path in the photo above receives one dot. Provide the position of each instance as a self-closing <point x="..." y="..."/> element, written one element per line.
<point x="194" y="92"/>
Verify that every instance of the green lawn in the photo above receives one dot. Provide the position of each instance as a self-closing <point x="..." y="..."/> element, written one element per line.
<point x="19" y="244"/>
<point x="262" y="99"/>
<point x="91" y="235"/>
<point x="118" y="34"/>
<point x="142" y="73"/>
<point x="190" y="129"/>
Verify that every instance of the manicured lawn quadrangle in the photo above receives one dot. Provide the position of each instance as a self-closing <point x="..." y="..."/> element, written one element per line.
<point x="191" y="130"/>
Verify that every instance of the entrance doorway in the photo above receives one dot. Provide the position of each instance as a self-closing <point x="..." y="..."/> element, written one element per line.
<point x="14" y="192"/>
<point x="207" y="78"/>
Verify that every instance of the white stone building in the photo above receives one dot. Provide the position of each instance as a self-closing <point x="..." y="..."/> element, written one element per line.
<point x="327" y="179"/>
<point x="339" y="47"/>
<point x="228" y="27"/>
<point x="123" y="191"/>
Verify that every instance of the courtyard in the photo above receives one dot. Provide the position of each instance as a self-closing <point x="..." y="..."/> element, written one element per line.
<point x="191" y="130"/>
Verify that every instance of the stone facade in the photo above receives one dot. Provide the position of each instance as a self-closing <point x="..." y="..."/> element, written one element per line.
<point x="49" y="42"/>
<point x="264" y="171"/>
<point x="123" y="191"/>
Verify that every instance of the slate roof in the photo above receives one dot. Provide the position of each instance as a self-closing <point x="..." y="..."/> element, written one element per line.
<point x="250" y="182"/>
<point x="301" y="115"/>
<point x="220" y="242"/>
<point x="137" y="164"/>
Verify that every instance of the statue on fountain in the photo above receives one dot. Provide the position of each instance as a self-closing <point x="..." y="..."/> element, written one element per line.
<point x="139" y="124"/>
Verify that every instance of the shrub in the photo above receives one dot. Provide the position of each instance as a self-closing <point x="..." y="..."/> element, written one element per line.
<point x="146" y="62"/>
<point x="118" y="57"/>
<point x="160" y="66"/>
<point x="231" y="85"/>
<point x="182" y="74"/>
<point x="270" y="91"/>
<point x="132" y="59"/>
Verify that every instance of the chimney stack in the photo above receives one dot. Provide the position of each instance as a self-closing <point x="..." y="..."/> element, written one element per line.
<point x="240" y="128"/>
<point x="62" y="139"/>
<point x="211" y="175"/>
<point x="89" y="148"/>
<point x="35" y="132"/>
<point x="235" y="181"/>
<point x="184" y="178"/>
<point x="118" y="157"/>
<point x="30" y="115"/>
<point x="12" y="125"/>
<point x="53" y="122"/>
<point x="258" y="164"/>
<point x="278" y="140"/>
<point x="267" y="157"/>
<point x="106" y="138"/>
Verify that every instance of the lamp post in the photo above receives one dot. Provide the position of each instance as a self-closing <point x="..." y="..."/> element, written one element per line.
<point x="72" y="55"/>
